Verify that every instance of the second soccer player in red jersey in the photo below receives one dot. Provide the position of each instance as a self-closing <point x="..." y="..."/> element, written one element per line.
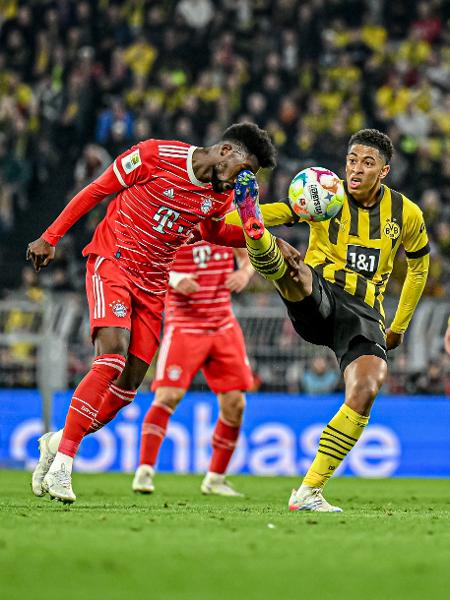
<point x="163" y="190"/>
<point x="200" y="332"/>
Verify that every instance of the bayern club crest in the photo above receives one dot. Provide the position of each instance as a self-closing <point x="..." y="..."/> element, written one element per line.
<point x="206" y="205"/>
<point x="174" y="372"/>
<point x="119" y="309"/>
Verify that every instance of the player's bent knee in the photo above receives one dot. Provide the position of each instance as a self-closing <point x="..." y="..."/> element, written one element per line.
<point x="232" y="406"/>
<point x="169" y="397"/>
<point x="112" y="340"/>
<point x="361" y="394"/>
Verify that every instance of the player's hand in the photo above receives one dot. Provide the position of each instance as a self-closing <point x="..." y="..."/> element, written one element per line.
<point x="194" y="237"/>
<point x="291" y="255"/>
<point x="187" y="286"/>
<point x="237" y="280"/>
<point x="393" y="340"/>
<point x="41" y="253"/>
<point x="447" y="340"/>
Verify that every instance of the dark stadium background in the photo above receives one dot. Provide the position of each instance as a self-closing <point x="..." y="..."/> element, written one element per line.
<point x="82" y="81"/>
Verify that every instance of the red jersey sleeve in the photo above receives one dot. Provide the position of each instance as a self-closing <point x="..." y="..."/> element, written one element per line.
<point x="135" y="165"/>
<point x="131" y="167"/>
<point x="218" y="232"/>
<point x="82" y="203"/>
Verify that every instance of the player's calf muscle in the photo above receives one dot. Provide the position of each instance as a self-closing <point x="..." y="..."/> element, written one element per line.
<point x="232" y="405"/>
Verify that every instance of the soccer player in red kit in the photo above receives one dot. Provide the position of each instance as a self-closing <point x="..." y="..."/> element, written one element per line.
<point x="163" y="190"/>
<point x="200" y="332"/>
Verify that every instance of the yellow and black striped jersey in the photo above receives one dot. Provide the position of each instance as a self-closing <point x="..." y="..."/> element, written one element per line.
<point x="356" y="249"/>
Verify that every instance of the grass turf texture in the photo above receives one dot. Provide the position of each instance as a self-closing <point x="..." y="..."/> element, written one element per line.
<point x="392" y="541"/>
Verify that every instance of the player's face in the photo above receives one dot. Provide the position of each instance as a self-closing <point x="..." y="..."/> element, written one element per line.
<point x="230" y="162"/>
<point x="364" y="170"/>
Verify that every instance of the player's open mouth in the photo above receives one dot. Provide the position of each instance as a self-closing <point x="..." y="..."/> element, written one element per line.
<point x="355" y="182"/>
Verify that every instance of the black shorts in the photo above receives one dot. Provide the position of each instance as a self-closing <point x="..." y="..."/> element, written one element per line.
<point x="332" y="317"/>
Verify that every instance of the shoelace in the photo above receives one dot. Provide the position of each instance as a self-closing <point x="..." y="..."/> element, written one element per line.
<point x="62" y="477"/>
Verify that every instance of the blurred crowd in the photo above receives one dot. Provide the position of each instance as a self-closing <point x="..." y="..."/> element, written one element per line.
<point x="80" y="81"/>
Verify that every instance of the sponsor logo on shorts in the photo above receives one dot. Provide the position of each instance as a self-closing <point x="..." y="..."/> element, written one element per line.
<point x="174" y="372"/>
<point x="119" y="309"/>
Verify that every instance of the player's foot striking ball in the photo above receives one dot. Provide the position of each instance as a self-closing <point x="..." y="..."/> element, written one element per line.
<point x="246" y="195"/>
<point x="263" y="251"/>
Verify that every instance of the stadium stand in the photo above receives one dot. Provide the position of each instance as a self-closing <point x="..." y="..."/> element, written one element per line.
<point x="82" y="81"/>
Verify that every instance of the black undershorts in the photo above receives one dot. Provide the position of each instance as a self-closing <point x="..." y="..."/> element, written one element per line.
<point x="332" y="317"/>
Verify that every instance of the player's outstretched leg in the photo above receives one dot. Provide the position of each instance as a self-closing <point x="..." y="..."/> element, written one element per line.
<point x="262" y="248"/>
<point x="363" y="378"/>
<point x="224" y="441"/>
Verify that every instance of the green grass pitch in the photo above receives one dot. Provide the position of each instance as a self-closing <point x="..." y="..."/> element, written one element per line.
<point x="392" y="541"/>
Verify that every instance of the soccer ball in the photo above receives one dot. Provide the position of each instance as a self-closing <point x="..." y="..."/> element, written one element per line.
<point x="316" y="194"/>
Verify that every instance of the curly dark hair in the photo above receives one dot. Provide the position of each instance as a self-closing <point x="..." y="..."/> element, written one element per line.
<point x="375" y="139"/>
<point x="255" y="140"/>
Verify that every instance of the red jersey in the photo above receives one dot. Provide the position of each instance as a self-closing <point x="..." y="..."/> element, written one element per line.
<point x="159" y="200"/>
<point x="210" y="307"/>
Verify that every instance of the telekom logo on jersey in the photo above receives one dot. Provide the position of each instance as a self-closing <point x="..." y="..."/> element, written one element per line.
<point x="166" y="218"/>
<point x="201" y="256"/>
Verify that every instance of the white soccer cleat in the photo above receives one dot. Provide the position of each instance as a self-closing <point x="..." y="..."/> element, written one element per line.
<point x="59" y="485"/>
<point x="310" y="499"/>
<point x="216" y="485"/>
<point x="143" y="480"/>
<point x="46" y="457"/>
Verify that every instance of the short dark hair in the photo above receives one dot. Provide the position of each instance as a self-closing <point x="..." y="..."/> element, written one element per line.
<point x="255" y="140"/>
<point x="375" y="139"/>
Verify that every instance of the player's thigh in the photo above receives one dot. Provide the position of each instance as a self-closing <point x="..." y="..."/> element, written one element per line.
<point x="110" y="305"/>
<point x="228" y="368"/>
<point x="313" y="316"/>
<point x="181" y="355"/>
<point x="146" y="322"/>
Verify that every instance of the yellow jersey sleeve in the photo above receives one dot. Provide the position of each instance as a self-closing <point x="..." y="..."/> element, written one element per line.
<point x="415" y="238"/>
<point x="275" y="213"/>
<point x="413" y="286"/>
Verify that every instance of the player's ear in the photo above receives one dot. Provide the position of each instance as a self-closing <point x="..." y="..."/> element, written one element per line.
<point x="225" y="148"/>
<point x="384" y="171"/>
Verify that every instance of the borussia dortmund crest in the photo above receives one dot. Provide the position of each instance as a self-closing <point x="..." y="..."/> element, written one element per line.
<point x="391" y="229"/>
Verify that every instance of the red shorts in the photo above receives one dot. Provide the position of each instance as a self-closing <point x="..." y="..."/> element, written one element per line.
<point x="115" y="301"/>
<point x="220" y="355"/>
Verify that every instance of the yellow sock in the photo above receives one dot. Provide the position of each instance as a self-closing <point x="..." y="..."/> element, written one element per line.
<point x="266" y="257"/>
<point x="336" y="441"/>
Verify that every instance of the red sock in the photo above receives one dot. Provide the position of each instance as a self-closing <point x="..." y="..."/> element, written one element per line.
<point x="87" y="399"/>
<point x="224" y="442"/>
<point x="114" y="399"/>
<point x="154" y="430"/>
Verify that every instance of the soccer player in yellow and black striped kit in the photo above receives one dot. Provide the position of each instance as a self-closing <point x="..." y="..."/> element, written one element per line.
<point x="334" y="295"/>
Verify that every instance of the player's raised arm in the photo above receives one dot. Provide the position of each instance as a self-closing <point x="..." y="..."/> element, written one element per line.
<point x="418" y="260"/>
<point x="126" y="170"/>
<point x="274" y="213"/>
